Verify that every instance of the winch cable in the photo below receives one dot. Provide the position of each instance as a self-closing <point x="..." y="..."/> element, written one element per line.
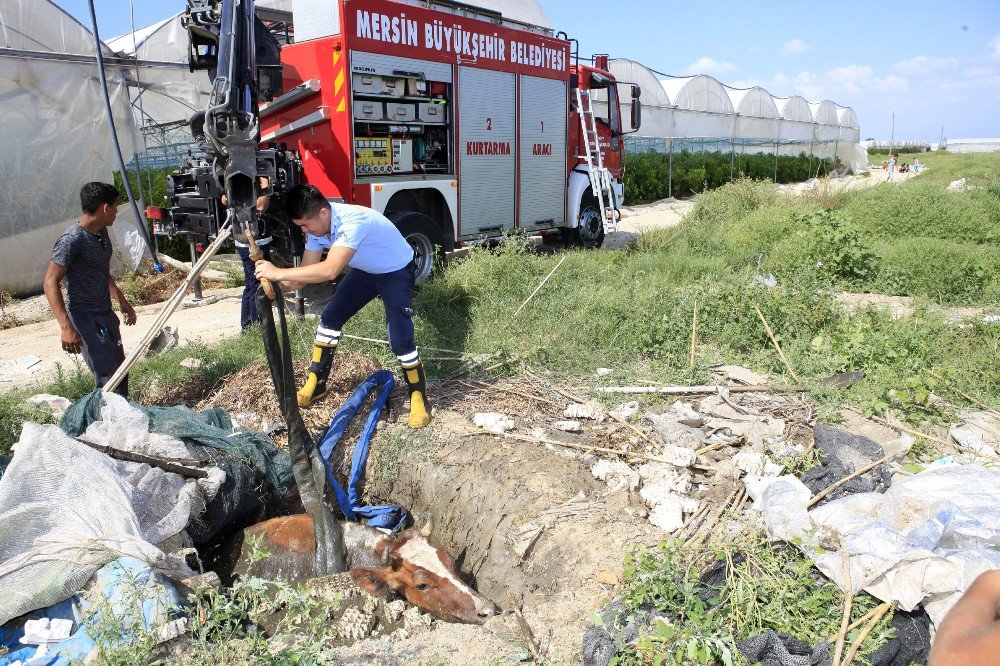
<point x="307" y="466"/>
<point x="140" y="219"/>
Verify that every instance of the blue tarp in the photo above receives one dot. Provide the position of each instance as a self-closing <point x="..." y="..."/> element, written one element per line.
<point x="119" y="586"/>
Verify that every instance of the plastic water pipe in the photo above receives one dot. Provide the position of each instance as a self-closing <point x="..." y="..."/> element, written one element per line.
<point x="140" y="219"/>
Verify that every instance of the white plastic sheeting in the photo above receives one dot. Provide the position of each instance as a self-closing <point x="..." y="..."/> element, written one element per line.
<point x="56" y="137"/>
<point x="66" y="509"/>
<point x="923" y="541"/>
<point x="700" y="111"/>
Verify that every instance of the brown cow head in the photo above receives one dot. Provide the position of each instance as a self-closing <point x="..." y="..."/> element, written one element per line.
<point x="425" y="576"/>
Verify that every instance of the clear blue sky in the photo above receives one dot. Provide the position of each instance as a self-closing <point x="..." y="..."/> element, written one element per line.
<point x="932" y="62"/>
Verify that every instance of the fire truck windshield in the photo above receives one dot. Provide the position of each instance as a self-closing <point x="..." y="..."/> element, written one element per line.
<point x="602" y="90"/>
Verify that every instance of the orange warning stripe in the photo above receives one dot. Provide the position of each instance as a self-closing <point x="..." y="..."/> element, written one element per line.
<point x="338" y="83"/>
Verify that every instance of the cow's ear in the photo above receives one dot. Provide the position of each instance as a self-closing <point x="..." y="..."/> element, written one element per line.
<point x="374" y="581"/>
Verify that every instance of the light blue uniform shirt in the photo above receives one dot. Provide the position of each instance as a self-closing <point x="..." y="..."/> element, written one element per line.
<point x="379" y="247"/>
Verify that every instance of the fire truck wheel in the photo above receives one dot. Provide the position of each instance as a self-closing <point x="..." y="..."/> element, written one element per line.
<point x="424" y="237"/>
<point x="590" y="232"/>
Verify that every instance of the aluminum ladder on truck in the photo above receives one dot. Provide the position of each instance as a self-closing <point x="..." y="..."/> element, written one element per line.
<point x="600" y="178"/>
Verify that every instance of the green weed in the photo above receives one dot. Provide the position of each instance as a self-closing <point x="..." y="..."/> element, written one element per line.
<point x="756" y="587"/>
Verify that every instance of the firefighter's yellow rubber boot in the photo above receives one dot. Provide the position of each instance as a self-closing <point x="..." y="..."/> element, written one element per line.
<point x="319" y="370"/>
<point x="420" y="409"/>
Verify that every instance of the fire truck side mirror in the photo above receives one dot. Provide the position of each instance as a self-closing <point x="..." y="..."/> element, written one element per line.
<point x="636" y="113"/>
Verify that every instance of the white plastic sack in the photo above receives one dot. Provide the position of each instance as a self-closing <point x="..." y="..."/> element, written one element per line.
<point x="924" y="541"/>
<point x="66" y="510"/>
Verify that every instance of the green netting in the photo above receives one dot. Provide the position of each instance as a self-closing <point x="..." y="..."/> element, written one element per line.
<point x="211" y="428"/>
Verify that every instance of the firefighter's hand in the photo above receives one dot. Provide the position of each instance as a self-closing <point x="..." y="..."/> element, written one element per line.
<point x="266" y="270"/>
<point x="128" y="312"/>
<point x="71" y="340"/>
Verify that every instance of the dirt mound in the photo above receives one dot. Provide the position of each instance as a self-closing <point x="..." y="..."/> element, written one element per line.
<point x="248" y="395"/>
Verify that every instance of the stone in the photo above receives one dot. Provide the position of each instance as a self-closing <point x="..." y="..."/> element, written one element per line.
<point x="415" y="620"/>
<point x="494" y="422"/>
<point x="54" y="404"/>
<point x="604" y="372"/>
<point x="740" y="375"/>
<point x="679" y="455"/>
<point x="616" y="474"/>
<point x="607" y="577"/>
<point x="191" y="363"/>
<point x="590" y="411"/>
<point x="394" y="610"/>
<point x="568" y="426"/>
<point x="626" y="410"/>
<point x="667" y="514"/>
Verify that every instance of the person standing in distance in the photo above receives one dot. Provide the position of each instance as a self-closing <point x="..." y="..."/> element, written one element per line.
<point x="381" y="263"/>
<point x="82" y="256"/>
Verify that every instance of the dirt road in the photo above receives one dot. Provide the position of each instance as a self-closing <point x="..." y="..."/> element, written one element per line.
<point x="29" y="354"/>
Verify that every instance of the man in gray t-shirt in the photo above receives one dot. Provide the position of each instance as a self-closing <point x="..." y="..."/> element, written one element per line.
<point x="82" y="256"/>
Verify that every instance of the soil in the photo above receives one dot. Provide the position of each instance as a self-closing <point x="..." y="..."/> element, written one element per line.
<point x="903" y="306"/>
<point x="480" y="490"/>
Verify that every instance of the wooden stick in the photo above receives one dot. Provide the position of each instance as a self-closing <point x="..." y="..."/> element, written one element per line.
<point x="711" y="447"/>
<point x="699" y="534"/>
<point x="964" y="394"/>
<point x="917" y="433"/>
<point x="168" y="309"/>
<point x="882" y="610"/>
<point x="255" y="256"/>
<point x="529" y="637"/>
<point x="774" y="341"/>
<point x="538" y="288"/>
<point x="848" y="600"/>
<point x="829" y="489"/>
<point x="857" y="623"/>
<point x="129" y="456"/>
<point x="580" y="447"/>
<point x="701" y="511"/>
<point x="694" y="333"/>
<point x="704" y="389"/>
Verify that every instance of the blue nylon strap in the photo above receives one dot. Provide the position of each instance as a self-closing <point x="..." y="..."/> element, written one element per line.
<point x="390" y="517"/>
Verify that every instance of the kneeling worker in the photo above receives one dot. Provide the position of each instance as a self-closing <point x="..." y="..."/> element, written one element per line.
<point x="381" y="264"/>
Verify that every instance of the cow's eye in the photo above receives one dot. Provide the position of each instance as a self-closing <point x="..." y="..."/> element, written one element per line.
<point x="423" y="586"/>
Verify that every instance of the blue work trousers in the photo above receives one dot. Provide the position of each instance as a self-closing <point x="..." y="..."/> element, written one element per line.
<point x="357" y="288"/>
<point x="248" y="308"/>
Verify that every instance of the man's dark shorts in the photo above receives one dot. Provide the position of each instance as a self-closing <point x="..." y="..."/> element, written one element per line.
<point x="102" y="346"/>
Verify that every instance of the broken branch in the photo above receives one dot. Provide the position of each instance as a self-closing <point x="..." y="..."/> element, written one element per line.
<point x="580" y="447"/>
<point x="539" y="287"/>
<point x="848" y="600"/>
<point x="917" y="433"/>
<point x="705" y="389"/>
<point x="529" y="637"/>
<point x="879" y="614"/>
<point x="867" y="468"/>
<point x="694" y="333"/>
<point x="165" y="465"/>
<point x="964" y="394"/>
<point x="774" y="341"/>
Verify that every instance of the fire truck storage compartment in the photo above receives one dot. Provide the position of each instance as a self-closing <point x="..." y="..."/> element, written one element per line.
<point x="378" y="85"/>
<point x="365" y="109"/>
<point x="432" y="114"/>
<point x="487" y="153"/>
<point x="395" y="131"/>
<point x="400" y="112"/>
<point x="543" y="152"/>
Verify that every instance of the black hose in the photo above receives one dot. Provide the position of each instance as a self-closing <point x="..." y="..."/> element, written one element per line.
<point x="140" y="220"/>
<point x="307" y="466"/>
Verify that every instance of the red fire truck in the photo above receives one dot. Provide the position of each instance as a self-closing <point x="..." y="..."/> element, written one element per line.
<point x="455" y="122"/>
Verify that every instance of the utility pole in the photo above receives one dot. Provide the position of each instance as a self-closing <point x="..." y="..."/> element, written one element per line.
<point x="941" y="141"/>
<point x="892" y="135"/>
